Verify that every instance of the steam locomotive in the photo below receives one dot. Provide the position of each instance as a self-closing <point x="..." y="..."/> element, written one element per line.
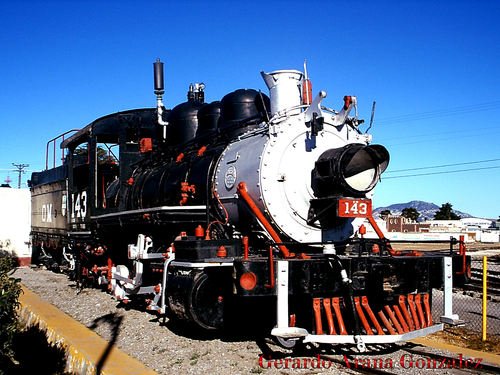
<point x="207" y="209"/>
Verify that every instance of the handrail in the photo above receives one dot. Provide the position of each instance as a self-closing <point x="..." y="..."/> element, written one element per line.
<point x="53" y="140"/>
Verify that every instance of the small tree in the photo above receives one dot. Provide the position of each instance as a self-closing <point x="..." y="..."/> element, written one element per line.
<point x="385" y="213"/>
<point x="410" y="213"/>
<point x="10" y="289"/>
<point x="446" y="213"/>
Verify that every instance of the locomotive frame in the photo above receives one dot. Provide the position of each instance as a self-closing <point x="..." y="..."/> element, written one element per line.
<point x="207" y="210"/>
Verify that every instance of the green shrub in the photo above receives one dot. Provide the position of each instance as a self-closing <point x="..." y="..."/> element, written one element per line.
<point x="10" y="289"/>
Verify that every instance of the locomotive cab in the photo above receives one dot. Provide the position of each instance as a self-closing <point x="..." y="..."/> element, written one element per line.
<point x="100" y="159"/>
<point x="91" y="180"/>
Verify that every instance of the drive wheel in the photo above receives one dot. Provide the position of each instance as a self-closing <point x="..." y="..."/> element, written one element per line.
<point x="206" y="301"/>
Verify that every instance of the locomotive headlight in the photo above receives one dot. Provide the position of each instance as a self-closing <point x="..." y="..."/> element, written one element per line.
<point x="353" y="169"/>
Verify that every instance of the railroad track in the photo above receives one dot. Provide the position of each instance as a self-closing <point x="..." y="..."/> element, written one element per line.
<point x="411" y="359"/>
<point x="493" y="282"/>
<point x="397" y="359"/>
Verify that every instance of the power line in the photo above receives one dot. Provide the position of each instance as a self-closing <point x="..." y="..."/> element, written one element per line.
<point x="486" y="106"/>
<point x="20" y="170"/>
<point x="443" y="172"/>
<point x="443" y="165"/>
<point x="451" y="134"/>
<point x="10" y="170"/>
<point x="455" y="136"/>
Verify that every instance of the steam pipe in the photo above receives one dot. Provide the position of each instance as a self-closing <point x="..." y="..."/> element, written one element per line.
<point x="243" y="193"/>
<point x="159" y="91"/>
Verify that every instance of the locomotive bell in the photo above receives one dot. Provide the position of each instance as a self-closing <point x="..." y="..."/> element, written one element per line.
<point x="284" y="89"/>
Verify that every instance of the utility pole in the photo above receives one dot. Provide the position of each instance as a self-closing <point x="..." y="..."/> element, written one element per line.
<point x="20" y="170"/>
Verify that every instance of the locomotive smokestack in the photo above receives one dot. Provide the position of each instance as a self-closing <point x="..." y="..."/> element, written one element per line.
<point x="158" y="74"/>
<point x="284" y="89"/>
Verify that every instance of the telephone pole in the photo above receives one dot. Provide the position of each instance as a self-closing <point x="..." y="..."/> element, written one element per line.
<point x="20" y="170"/>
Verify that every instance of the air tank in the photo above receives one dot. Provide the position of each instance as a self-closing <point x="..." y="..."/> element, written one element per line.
<point x="183" y="123"/>
<point x="239" y="108"/>
<point x="208" y="117"/>
<point x="183" y="119"/>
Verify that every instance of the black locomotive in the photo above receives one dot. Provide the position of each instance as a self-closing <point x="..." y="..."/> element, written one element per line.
<point x="253" y="200"/>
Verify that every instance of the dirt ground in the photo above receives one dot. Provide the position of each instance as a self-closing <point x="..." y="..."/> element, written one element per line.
<point x="460" y="336"/>
<point x="464" y="338"/>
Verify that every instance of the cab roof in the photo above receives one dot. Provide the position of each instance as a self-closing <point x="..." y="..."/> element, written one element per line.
<point x="108" y="128"/>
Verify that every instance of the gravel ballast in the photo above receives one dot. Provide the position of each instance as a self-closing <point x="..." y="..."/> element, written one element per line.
<point x="164" y="348"/>
<point x="168" y="348"/>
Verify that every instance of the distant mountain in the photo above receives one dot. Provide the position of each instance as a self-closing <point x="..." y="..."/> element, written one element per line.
<point x="427" y="210"/>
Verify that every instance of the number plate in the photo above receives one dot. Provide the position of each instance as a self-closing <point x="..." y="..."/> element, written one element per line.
<point x="354" y="207"/>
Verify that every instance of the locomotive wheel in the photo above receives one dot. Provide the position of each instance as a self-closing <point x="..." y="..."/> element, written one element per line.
<point x="289" y="343"/>
<point x="197" y="296"/>
<point x="206" y="301"/>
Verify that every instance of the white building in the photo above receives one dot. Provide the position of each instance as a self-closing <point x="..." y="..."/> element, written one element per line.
<point x="473" y="229"/>
<point x="15" y="222"/>
<point x="474" y="222"/>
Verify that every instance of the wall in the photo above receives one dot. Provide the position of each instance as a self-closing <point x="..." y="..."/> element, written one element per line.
<point x="15" y="222"/>
<point x="490" y="237"/>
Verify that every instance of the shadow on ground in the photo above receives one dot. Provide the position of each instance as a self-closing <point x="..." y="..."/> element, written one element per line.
<point x="34" y="355"/>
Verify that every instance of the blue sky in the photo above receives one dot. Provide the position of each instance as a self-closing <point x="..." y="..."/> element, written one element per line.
<point x="432" y="67"/>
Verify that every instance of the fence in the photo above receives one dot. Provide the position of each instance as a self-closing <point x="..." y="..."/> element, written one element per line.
<point x="468" y="300"/>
